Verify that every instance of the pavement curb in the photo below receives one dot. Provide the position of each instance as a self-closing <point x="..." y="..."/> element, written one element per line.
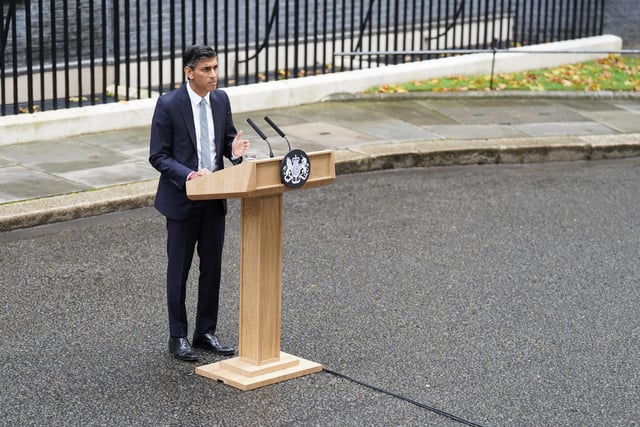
<point x="480" y="151"/>
<point x="365" y="158"/>
<point x="48" y="210"/>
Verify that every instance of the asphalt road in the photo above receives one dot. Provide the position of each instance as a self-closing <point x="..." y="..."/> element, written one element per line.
<point x="501" y="295"/>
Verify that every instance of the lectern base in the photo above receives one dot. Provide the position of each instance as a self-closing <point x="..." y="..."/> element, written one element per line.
<point x="247" y="376"/>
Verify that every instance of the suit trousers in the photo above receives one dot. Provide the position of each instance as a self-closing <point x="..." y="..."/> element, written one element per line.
<point x="205" y="227"/>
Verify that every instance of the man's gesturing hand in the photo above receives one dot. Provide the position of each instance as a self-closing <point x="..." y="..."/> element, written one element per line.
<point x="239" y="146"/>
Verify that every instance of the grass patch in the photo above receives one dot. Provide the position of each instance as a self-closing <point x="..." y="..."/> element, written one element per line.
<point x="613" y="73"/>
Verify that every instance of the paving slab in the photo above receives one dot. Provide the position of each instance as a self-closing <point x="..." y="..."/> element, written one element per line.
<point x="329" y="135"/>
<point x="563" y="129"/>
<point x="59" y="156"/>
<point x="509" y="115"/>
<point x="579" y="105"/>
<point x="131" y="142"/>
<point x="396" y="130"/>
<point x="620" y="121"/>
<point x="474" y="131"/>
<point x="106" y="176"/>
<point x="629" y="106"/>
<point x="414" y="112"/>
<point x="20" y="183"/>
<point x="340" y="113"/>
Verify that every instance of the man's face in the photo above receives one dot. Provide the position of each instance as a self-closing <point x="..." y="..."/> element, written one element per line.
<point x="203" y="78"/>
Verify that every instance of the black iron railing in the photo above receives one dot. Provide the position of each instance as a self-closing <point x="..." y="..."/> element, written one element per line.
<point x="65" y="53"/>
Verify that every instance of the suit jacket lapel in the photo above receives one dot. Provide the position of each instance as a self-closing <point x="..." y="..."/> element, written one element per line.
<point x="217" y="138"/>
<point x="187" y="116"/>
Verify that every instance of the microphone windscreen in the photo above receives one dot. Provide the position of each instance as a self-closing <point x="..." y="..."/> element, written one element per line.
<point x="274" y="126"/>
<point x="257" y="129"/>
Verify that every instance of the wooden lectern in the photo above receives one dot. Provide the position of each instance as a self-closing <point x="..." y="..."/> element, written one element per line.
<point x="258" y="184"/>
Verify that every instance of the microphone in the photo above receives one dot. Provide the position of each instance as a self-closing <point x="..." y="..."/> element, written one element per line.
<point x="277" y="129"/>
<point x="262" y="135"/>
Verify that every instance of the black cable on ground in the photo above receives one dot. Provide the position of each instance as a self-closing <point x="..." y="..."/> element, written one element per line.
<point x="406" y="399"/>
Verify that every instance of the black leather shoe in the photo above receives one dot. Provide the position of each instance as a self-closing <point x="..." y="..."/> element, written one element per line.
<point x="181" y="349"/>
<point x="210" y="342"/>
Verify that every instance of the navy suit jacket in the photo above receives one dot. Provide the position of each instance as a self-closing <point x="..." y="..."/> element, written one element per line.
<point x="173" y="147"/>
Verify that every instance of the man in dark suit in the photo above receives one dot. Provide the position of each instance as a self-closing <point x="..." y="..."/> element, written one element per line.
<point x="191" y="130"/>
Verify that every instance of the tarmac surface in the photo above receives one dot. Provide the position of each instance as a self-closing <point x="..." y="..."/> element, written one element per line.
<point x="494" y="295"/>
<point x="60" y="179"/>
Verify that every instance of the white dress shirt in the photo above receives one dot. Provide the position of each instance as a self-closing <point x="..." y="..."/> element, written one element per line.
<point x="195" y="107"/>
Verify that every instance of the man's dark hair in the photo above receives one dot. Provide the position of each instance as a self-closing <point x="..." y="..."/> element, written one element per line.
<point x="194" y="54"/>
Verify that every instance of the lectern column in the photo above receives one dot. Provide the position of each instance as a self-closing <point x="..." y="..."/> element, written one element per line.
<point x="260" y="361"/>
<point x="260" y="279"/>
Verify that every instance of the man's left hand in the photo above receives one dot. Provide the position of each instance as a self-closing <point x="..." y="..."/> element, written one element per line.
<point x="239" y="146"/>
